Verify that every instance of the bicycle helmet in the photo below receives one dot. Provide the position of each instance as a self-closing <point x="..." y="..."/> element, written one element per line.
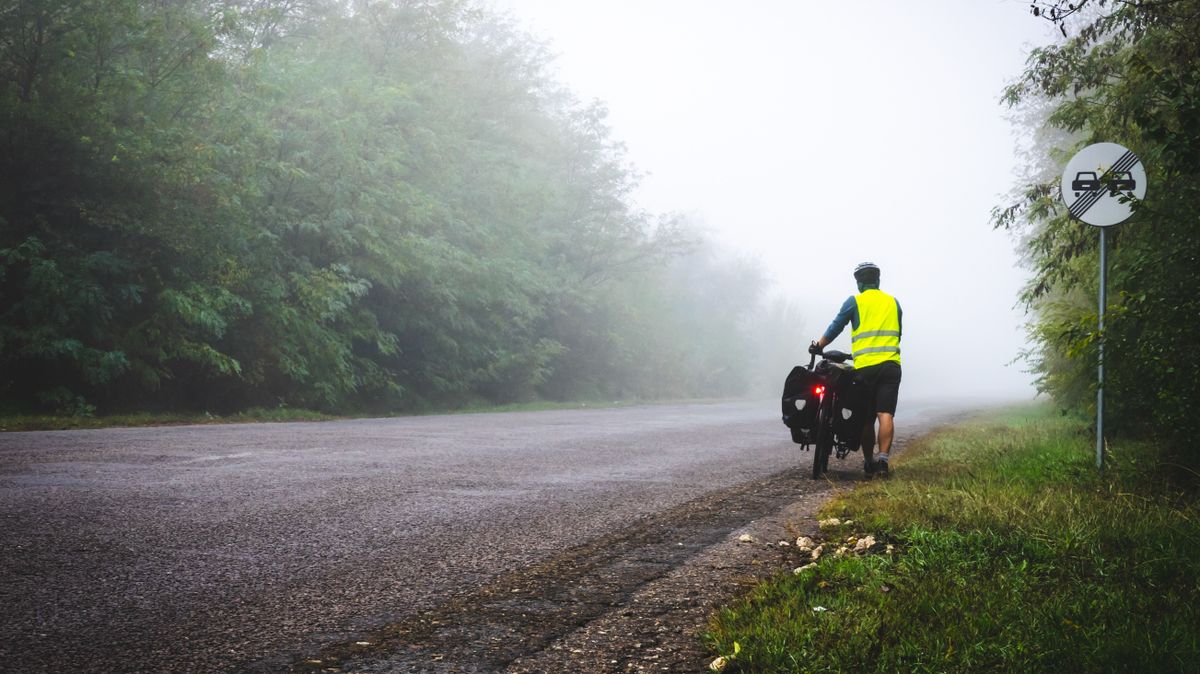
<point x="867" y="271"/>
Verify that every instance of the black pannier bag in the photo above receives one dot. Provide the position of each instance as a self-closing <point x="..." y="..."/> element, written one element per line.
<point x="849" y="416"/>
<point x="800" y="403"/>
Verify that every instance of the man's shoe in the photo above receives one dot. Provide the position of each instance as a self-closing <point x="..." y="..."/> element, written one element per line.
<point x="868" y="470"/>
<point x="881" y="468"/>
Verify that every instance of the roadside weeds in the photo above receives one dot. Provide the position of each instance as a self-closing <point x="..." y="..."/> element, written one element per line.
<point x="15" y="422"/>
<point x="995" y="546"/>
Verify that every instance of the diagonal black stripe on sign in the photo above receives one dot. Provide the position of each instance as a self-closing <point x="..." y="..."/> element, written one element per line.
<point x="1082" y="204"/>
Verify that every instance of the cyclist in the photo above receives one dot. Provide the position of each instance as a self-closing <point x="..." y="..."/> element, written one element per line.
<point x="874" y="318"/>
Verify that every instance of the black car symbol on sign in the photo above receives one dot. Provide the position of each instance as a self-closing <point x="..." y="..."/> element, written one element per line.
<point x="1088" y="181"/>
<point x="1120" y="181"/>
<point x="1085" y="181"/>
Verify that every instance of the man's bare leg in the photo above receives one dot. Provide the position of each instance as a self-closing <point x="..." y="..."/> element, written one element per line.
<point x="887" y="429"/>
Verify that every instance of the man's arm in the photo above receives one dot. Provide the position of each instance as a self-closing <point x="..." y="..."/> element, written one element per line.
<point x="845" y="316"/>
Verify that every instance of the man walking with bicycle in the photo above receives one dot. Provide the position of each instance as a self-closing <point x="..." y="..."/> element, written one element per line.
<point x="875" y="325"/>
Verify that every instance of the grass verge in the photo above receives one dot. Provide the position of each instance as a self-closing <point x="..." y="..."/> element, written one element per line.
<point x="51" y="422"/>
<point x="1010" y="552"/>
<point x="57" y="422"/>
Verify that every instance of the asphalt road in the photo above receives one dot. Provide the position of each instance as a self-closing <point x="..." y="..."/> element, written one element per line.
<point x="253" y="547"/>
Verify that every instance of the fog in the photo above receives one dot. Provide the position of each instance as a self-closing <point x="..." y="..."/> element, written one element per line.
<point x="812" y="139"/>
<point x="393" y="207"/>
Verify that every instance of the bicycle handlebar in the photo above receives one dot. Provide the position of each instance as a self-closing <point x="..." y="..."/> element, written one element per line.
<point x="834" y="356"/>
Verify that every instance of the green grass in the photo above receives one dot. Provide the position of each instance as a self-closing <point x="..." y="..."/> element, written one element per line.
<point x="51" y="422"/>
<point x="1011" y="554"/>
<point x="48" y="422"/>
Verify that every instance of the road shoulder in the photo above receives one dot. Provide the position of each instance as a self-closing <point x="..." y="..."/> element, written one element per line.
<point x="659" y="628"/>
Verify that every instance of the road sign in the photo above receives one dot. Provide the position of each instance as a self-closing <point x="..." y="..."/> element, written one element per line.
<point x="1099" y="187"/>
<point x="1099" y="181"/>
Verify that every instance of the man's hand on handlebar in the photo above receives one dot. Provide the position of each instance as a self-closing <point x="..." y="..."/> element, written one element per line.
<point x="815" y="349"/>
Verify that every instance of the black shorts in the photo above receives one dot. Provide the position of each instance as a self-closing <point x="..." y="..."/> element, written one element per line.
<point x="880" y="387"/>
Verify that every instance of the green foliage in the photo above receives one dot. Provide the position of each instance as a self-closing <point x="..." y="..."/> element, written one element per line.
<point x="213" y="206"/>
<point x="1011" y="553"/>
<point x="1132" y="76"/>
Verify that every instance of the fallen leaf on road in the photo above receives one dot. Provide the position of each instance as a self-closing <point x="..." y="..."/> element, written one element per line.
<point x="831" y="522"/>
<point x="804" y="543"/>
<point x="816" y="553"/>
<point x="718" y="665"/>
<point x="864" y="544"/>
<point x="746" y="538"/>
<point x="801" y="569"/>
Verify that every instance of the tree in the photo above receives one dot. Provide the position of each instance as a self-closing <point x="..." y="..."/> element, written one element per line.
<point x="370" y="205"/>
<point x="1130" y="75"/>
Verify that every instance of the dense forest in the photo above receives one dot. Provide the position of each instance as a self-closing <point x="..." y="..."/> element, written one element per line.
<point x="1129" y="73"/>
<point x="337" y="205"/>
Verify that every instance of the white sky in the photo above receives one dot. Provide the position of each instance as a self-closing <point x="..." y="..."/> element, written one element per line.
<point x="815" y="135"/>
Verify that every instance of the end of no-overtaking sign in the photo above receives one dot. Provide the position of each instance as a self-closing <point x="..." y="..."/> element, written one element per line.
<point x="1102" y="183"/>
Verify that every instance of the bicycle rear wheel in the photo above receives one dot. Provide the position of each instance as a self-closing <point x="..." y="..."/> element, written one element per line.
<point x="824" y="444"/>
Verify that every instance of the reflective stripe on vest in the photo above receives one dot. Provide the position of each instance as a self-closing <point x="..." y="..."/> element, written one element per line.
<point x="877" y="338"/>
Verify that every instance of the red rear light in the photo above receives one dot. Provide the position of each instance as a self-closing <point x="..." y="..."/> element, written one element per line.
<point x="818" y="390"/>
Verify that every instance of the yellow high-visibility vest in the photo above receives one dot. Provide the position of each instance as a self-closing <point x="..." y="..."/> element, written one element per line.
<point x="877" y="338"/>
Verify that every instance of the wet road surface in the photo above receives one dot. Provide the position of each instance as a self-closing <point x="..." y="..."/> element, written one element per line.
<point x="440" y="541"/>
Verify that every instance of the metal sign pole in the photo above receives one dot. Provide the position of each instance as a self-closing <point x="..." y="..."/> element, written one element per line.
<point x="1100" y="386"/>
<point x="1100" y="186"/>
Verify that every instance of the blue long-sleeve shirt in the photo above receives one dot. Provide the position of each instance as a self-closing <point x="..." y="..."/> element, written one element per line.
<point x="849" y="314"/>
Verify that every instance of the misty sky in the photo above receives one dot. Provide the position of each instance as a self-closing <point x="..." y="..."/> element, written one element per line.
<point x="813" y="136"/>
